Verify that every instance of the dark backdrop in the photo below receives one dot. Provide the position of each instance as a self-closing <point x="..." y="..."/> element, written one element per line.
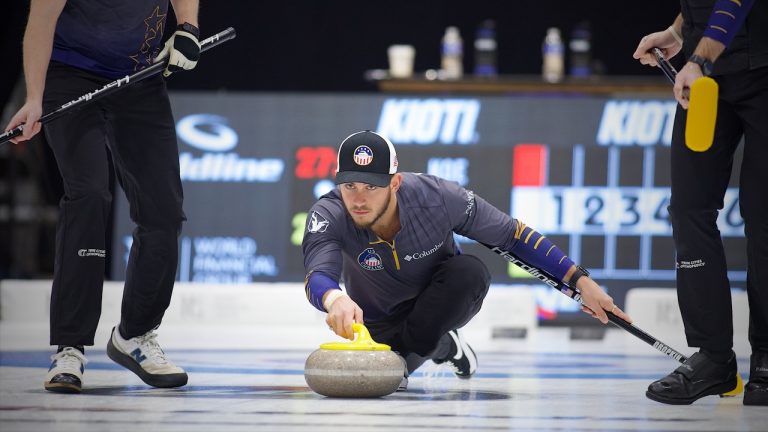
<point x="310" y="45"/>
<point x="326" y="45"/>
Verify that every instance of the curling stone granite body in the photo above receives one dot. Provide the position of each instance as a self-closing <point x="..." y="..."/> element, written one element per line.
<point x="354" y="373"/>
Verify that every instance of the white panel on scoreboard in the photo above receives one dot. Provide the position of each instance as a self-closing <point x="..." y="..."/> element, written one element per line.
<point x="608" y="210"/>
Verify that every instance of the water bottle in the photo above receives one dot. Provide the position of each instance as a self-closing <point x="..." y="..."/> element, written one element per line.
<point x="452" y="54"/>
<point x="485" y="49"/>
<point x="553" y="65"/>
<point x="580" y="47"/>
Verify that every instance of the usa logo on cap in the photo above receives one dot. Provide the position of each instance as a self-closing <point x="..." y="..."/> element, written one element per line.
<point x="363" y="155"/>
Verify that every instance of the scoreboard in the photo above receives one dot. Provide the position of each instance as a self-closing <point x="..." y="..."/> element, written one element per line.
<point x="620" y="213"/>
<point x="591" y="173"/>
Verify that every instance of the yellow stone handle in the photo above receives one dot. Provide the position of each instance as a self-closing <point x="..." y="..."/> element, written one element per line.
<point x="363" y="342"/>
<point x="363" y="335"/>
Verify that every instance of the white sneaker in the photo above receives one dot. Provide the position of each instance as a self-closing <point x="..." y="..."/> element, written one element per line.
<point x="66" y="372"/>
<point x="143" y="356"/>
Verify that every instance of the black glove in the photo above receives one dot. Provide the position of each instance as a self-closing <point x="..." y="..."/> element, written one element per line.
<point x="183" y="48"/>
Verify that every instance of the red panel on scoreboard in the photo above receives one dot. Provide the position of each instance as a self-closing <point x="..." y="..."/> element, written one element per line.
<point x="529" y="165"/>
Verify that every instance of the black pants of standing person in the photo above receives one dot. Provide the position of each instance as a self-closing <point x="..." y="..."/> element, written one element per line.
<point x="454" y="296"/>
<point x="699" y="181"/>
<point x="135" y="128"/>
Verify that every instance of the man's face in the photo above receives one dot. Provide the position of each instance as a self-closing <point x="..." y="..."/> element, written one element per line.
<point x="365" y="203"/>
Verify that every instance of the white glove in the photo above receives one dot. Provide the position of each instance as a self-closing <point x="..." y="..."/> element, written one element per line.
<point x="183" y="48"/>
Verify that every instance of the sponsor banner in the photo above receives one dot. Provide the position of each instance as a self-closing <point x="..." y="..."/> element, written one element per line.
<point x="430" y="121"/>
<point x="636" y="122"/>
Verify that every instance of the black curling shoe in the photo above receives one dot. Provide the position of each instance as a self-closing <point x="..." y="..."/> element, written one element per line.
<point x="756" y="391"/>
<point x="697" y="377"/>
<point x="461" y="358"/>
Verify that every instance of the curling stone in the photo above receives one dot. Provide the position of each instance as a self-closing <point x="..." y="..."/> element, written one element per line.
<point x="358" y="369"/>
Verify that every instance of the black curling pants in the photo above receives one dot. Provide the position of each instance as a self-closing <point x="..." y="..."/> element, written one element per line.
<point x="453" y="297"/>
<point x="699" y="181"/>
<point x="135" y="128"/>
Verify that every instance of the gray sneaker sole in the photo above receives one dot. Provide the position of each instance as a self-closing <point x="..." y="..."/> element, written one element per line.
<point x="161" y="381"/>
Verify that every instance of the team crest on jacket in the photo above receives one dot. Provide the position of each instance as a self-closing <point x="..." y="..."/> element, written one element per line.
<point x="370" y="260"/>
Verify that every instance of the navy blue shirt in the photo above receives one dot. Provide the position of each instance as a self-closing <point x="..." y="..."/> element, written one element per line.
<point x="110" y="38"/>
<point x="383" y="277"/>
